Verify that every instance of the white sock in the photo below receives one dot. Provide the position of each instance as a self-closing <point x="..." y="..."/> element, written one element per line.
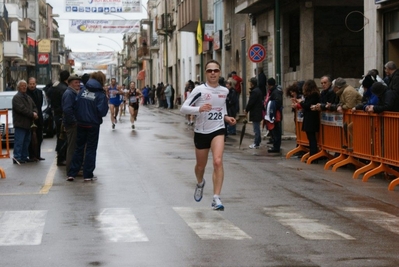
<point x="202" y="183"/>
<point x="216" y="196"/>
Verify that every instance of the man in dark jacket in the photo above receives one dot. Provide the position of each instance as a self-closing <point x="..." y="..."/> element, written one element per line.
<point x="91" y="107"/>
<point x="387" y="99"/>
<point x="254" y="107"/>
<point x="393" y="73"/>
<point x="327" y="95"/>
<point x="262" y="81"/>
<point x="24" y="112"/>
<point x="69" y="118"/>
<point x="55" y="94"/>
<point x="275" y="95"/>
<point x="37" y="97"/>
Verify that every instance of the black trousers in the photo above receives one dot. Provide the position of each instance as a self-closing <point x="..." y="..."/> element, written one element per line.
<point x="35" y="151"/>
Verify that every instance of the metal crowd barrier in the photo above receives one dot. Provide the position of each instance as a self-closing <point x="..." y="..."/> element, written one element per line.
<point x="4" y="130"/>
<point x="368" y="141"/>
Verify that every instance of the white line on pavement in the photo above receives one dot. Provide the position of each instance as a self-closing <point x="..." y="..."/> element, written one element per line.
<point x="209" y="224"/>
<point x="307" y="228"/>
<point x="19" y="228"/>
<point x="120" y="225"/>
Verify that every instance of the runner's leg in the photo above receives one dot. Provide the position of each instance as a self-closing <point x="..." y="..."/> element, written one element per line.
<point x="217" y="148"/>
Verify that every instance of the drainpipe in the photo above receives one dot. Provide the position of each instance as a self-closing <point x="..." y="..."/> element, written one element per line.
<point x="277" y="41"/>
<point x="166" y="41"/>
<point x="201" y="55"/>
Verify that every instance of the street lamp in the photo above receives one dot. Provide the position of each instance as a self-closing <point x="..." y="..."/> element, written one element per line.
<point x="100" y="36"/>
<point x="114" y="52"/>
<point x="107" y="46"/>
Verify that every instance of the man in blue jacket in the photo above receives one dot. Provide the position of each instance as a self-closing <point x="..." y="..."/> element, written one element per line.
<point x="91" y="107"/>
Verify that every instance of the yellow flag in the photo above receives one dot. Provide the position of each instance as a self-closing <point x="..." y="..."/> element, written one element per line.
<point x="199" y="37"/>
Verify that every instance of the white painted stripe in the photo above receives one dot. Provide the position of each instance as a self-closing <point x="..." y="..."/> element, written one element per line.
<point x="120" y="225"/>
<point x="21" y="228"/>
<point x="209" y="224"/>
<point x="307" y="228"/>
<point x="383" y="219"/>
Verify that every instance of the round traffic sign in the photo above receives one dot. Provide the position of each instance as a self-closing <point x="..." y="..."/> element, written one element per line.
<point x="257" y="53"/>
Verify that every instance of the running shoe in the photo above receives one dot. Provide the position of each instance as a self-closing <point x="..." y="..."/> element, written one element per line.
<point x="113" y="126"/>
<point x="70" y="179"/>
<point x="198" y="191"/>
<point x="133" y="126"/>
<point x="217" y="204"/>
<point x="90" y="179"/>
<point x="254" y="146"/>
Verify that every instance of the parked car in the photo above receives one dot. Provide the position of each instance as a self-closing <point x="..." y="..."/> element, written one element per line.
<point x="6" y="104"/>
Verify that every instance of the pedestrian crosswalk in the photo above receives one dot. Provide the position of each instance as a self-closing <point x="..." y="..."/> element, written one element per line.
<point x="22" y="228"/>
<point x="307" y="228"/>
<point x="208" y="224"/>
<point x="121" y="225"/>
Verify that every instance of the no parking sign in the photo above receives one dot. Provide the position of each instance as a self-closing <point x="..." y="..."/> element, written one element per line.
<point x="257" y="53"/>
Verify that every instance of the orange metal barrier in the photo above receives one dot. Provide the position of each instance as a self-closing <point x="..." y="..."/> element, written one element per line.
<point x="7" y="144"/>
<point x="301" y="139"/>
<point x="358" y="137"/>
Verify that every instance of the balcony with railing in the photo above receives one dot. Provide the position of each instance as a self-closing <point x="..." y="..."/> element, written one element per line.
<point x="13" y="49"/>
<point x="14" y="12"/>
<point x="27" y="25"/>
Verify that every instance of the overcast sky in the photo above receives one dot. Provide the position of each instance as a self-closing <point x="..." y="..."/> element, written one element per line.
<point x="88" y="42"/>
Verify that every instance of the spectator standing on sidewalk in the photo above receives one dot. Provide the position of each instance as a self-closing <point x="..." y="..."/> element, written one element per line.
<point x="24" y="112"/>
<point x="69" y="118"/>
<point x="91" y="107"/>
<point x="311" y="116"/>
<point x="254" y="107"/>
<point x="37" y="97"/>
<point x="274" y="102"/>
<point x="238" y="88"/>
<point x="55" y="94"/>
<point x="231" y="102"/>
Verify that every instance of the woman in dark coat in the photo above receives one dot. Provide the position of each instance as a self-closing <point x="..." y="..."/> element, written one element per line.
<point x="311" y="117"/>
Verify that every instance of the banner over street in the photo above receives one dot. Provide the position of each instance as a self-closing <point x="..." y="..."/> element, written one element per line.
<point x="99" y="58"/>
<point x="103" y="6"/>
<point x="104" y="26"/>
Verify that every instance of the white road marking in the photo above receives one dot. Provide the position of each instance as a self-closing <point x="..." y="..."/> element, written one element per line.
<point x="120" y="225"/>
<point x="209" y="224"/>
<point x="21" y="228"/>
<point x="307" y="228"/>
<point x="383" y="219"/>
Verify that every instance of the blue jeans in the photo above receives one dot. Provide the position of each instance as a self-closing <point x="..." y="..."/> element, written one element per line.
<point x="86" y="137"/>
<point x="169" y="102"/>
<point x="21" y="143"/>
<point x="231" y="129"/>
<point x="256" y="126"/>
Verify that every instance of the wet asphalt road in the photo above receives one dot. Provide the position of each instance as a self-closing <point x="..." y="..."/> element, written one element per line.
<point x="141" y="211"/>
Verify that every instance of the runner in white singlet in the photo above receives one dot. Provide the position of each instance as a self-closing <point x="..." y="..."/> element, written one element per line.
<point x="208" y="103"/>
